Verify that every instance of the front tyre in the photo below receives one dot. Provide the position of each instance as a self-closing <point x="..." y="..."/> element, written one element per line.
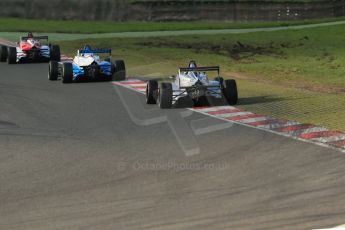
<point x="151" y="92"/>
<point x="67" y="73"/>
<point x="12" y="55"/>
<point x="53" y="70"/>
<point x="165" y="94"/>
<point x="230" y="91"/>
<point x="120" y="70"/>
<point x="3" y="53"/>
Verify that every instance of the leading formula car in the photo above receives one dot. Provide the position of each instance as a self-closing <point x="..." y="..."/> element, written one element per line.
<point x="191" y="83"/>
<point x="88" y="65"/>
<point x="30" y="49"/>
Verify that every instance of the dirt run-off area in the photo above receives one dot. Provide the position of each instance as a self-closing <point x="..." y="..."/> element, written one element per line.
<point x="238" y="50"/>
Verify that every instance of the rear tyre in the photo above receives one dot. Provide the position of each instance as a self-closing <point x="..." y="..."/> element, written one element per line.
<point x="151" y="92"/>
<point x="165" y="94"/>
<point x="55" y="54"/>
<point x="120" y="72"/>
<point x="230" y="91"/>
<point x="53" y="70"/>
<point x="12" y="55"/>
<point x="67" y="73"/>
<point x="3" y="53"/>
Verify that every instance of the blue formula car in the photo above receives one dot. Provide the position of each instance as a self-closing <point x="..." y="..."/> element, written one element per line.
<point x="88" y="66"/>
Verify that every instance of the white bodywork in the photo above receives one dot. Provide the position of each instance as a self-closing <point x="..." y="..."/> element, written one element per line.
<point x="189" y="79"/>
<point x="86" y="59"/>
<point x="34" y="42"/>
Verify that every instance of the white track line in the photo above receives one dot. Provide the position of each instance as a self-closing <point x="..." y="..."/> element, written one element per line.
<point x="340" y="227"/>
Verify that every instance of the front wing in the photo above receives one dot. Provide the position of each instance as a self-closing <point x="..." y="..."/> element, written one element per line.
<point x="196" y="92"/>
<point x="92" y="71"/>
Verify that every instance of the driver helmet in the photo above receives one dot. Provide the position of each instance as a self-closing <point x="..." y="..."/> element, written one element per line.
<point x="86" y="49"/>
<point x="192" y="64"/>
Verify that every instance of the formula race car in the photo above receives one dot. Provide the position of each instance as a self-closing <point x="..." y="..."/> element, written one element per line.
<point x="30" y="49"/>
<point x="87" y="65"/>
<point x="191" y="83"/>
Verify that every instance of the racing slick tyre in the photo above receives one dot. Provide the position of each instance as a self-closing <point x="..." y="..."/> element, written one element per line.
<point x="120" y="73"/>
<point x="12" y="55"/>
<point x="165" y="94"/>
<point x="151" y="92"/>
<point x="53" y="70"/>
<point x="67" y="73"/>
<point x="55" y="54"/>
<point x="3" y="53"/>
<point x="230" y="91"/>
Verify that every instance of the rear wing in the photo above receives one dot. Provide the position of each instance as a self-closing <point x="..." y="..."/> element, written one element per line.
<point x="35" y="37"/>
<point x="95" y="51"/>
<point x="200" y="69"/>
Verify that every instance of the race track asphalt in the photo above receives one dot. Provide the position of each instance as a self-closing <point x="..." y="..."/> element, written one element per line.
<point x="78" y="157"/>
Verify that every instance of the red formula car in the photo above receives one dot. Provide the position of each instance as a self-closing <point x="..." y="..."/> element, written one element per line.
<point x="30" y="49"/>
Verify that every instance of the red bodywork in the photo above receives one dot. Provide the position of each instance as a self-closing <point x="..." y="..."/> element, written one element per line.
<point x="29" y="45"/>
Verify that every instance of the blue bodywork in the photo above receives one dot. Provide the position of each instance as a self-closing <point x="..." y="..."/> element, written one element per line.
<point x="98" y="69"/>
<point x="82" y="72"/>
<point x="88" y="50"/>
